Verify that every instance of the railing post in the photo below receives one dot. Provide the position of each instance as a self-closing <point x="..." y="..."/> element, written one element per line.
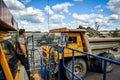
<point x="33" y="51"/>
<point x="59" y="65"/>
<point x="45" y="73"/>
<point x="105" y="70"/>
<point x="72" y="64"/>
<point x="32" y="42"/>
<point x="63" y="63"/>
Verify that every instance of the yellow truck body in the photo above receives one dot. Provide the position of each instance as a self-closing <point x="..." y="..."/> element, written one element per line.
<point x="78" y="39"/>
<point x="75" y="41"/>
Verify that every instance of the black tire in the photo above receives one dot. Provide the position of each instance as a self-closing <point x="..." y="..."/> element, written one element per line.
<point x="110" y="66"/>
<point x="80" y="68"/>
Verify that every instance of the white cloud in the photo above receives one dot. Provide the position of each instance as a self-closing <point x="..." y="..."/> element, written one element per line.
<point x="27" y="17"/>
<point x="14" y="4"/>
<point x="100" y="10"/>
<point x="29" y="14"/>
<point x="90" y="19"/>
<point x="63" y="7"/>
<point x="114" y="6"/>
<point x="57" y="19"/>
<point x="84" y="17"/>
<point x="49" y="10"/>
<point x="55" y="26"/>
<point x="34" y="19"/>
<point x="98" y="6"/>
<point x="43" y="27"/>
<point x="24" y="23"/>
<point x="78" y="0"/>
<point x="25" y="1"/>
<point x="33" y="15"/>
<point x="113" y="17"/>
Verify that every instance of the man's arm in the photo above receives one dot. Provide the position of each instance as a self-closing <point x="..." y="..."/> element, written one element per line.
<point x="23" y="49"/>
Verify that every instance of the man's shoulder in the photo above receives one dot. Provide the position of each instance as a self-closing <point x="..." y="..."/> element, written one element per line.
<point x="21" y="40"/>
<point x="20" y="37"/>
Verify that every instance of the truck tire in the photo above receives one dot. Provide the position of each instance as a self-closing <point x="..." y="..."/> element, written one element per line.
<point x="80" y="68"/>
<point x="110" y="66"/>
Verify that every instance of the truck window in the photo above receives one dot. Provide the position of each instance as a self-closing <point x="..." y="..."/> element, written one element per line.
<point x="72" y="40"/>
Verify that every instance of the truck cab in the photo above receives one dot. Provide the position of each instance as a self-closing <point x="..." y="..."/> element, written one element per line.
<point x="72" y="38"/>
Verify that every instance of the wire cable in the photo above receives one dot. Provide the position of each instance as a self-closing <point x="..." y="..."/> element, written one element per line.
<point x="48" y="15"/>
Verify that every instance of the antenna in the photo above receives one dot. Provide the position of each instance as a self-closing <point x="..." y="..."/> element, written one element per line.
<point x="48" y="15"/>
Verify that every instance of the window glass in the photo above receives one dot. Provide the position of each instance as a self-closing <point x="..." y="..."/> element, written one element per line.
<point x="72" y="40"/>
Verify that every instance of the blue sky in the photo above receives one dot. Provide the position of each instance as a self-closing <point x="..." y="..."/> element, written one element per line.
<point x="80" y="7"/>
<point x="33" y="14"/>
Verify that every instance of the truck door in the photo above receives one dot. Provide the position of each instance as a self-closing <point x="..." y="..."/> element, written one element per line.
<point x="74" y="41"/>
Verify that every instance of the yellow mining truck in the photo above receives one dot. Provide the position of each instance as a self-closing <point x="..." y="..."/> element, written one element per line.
<point x="77" y="39"/>
<point x="10" y="67"/>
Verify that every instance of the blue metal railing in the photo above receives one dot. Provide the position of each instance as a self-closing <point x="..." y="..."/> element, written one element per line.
<point x="98" y="57"/>
<point x="42" y="65"/>
<point x="40" y="58"/>
<point x="32" y="50"/>
<point x="61" y="51"/>
<point x="31" y="37"/>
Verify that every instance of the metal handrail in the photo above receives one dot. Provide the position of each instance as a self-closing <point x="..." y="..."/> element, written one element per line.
<point x="32" y="37"/>
<point x="93" y="55"/>
<point x="34" y="49"/>
<point x="98" y="57"/>
<point x="72" y="72"/>
<point x="59" y="49"/>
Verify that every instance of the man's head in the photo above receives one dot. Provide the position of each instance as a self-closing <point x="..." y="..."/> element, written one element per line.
<point x="22" y="32"/>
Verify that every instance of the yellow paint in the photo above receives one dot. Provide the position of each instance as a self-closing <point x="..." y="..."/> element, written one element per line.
<point x="78" y="45"/>
<point x="17" y="76"/>
<point x="18" y="71"/>
<point x="5" y="65"/>
<point x="6" y="68"/>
